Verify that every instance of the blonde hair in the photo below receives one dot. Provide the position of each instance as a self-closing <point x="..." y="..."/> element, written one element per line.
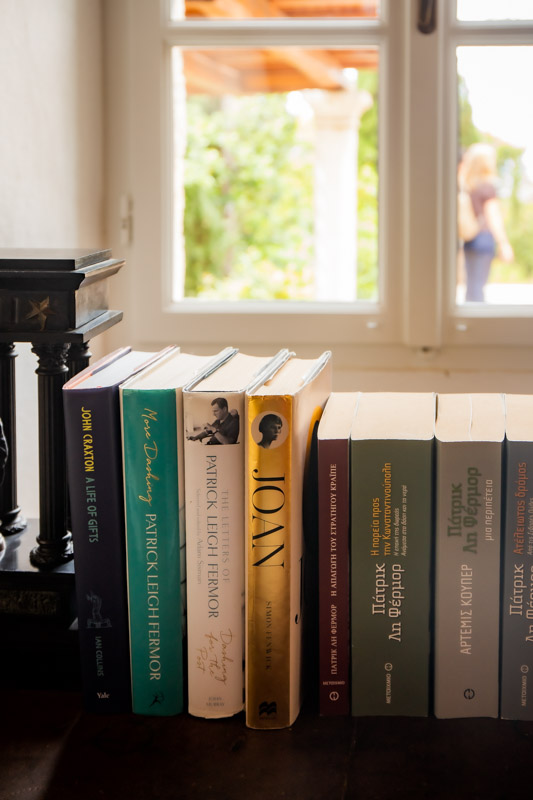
<point x="479" y="165"/>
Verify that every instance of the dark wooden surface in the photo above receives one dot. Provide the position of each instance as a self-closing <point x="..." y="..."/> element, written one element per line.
<point x="51" y="750"/>
<point x="51" y="260"/>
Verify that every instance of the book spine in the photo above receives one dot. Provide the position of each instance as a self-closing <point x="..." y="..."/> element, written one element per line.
<point x="94" y="461"/>
<point x="467" y="579"/>
<point x="153" y="550"/>
<point x="270" y="616"/>
<point x="390" y="582"/>
<point x="334" y="575"/>
<point x="214" y="509"/>
<point x="516" y="698"/>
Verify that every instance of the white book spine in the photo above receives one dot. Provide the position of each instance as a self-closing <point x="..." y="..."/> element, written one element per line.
<point x="214" y="509"/>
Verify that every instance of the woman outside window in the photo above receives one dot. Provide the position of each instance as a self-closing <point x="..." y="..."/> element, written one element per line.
<point x="478" y="177"/>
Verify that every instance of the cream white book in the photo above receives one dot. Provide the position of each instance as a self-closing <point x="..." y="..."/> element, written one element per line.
<point x="214" y="513"/>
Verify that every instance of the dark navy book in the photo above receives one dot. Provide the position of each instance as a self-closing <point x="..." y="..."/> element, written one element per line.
<point x="94" y="468"/>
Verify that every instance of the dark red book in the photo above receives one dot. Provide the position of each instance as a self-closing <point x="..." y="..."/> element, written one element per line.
<point x="334" y="552"/>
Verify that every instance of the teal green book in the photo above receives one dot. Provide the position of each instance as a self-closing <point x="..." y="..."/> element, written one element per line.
<point x="152" y="429"/>
<point x="392" y="451"/>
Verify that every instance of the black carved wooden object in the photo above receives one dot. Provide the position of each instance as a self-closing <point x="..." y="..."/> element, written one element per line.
<point x="57" y="300"/>
<point x="11" y="520"/>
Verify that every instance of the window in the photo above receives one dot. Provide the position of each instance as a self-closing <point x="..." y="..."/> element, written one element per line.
<point x="280" y="177"/>
<point x="496" y="172"/>
<point x="490" y="45"/>
<point x="278" y="194"/>
<point x="206" y="261"/>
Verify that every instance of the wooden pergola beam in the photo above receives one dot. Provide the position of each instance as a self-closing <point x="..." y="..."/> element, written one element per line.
<point x="205" y="75"/>
<point x="355" y="9"/>
<point x="233" y="9"/>
<point x="320" y="69"/>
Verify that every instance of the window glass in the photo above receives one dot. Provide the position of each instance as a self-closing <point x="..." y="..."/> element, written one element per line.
<point x="276" y="174"/>
<point x="263" y="9"/>
<point x="495" y="175"/>
<point x="486" y="10"/>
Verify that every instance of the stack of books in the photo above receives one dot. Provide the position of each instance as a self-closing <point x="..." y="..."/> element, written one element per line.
<point x="243" y="534"/>
<point x="186" y="475"/>
<point x="427" y="499"/>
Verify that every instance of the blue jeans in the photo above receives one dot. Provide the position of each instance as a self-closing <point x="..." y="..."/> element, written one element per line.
<point x="478" y="258"/>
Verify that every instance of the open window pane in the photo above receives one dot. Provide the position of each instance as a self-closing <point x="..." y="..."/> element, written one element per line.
<point x="495" y="258"/>
<point x="487" y="10"/>
<point x="276" y="178"/>
<point x="264" y="9"/>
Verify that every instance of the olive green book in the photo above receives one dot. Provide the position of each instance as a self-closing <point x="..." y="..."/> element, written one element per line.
<point x="516" y="690"/>
<point x="392" y="451"/>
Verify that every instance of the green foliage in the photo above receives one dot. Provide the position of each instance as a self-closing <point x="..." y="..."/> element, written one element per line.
<point x="519" y="223"/>
<point x="249" y="207"/>
<point x="367" y="200"/>
<point x="469" y="134"/>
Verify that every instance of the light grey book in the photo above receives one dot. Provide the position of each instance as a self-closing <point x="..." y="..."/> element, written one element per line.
<point x="470" y="431"/>
<point x="516" y="692"/>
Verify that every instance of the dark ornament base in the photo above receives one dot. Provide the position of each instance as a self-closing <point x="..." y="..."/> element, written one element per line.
<point x="48" y="556"/>
<point x="15" y="523"/>
<point x="29" y="596"/>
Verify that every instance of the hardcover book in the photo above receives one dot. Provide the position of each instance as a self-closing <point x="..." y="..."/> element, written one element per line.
<point x="470" y="430"/>
<point x="281" y="415"/>
<point x="334" y="492"/>
<point x="516" y="693"/>
<point x="94" y="469"/>
<point x="152" y="426"/>
<point x="392" y="449"/>
<point x="214" y="493"/>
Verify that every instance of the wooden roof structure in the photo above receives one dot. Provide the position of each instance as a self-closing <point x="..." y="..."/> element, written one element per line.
<point x="280" y="69"/>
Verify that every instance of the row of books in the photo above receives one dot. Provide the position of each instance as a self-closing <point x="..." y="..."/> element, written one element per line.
<point x="228" y="510"/>
<point x="186" y="476"/>
<point x="426" y="559"/>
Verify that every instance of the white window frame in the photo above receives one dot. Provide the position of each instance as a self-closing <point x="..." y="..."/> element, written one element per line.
<point x="483" y="324"/>
<point x="415" y="317"/>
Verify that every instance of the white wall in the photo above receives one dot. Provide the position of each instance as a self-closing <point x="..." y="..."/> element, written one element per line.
<point x="51" y="158"/>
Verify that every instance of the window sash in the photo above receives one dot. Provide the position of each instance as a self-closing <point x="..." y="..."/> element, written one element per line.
<point x="417" y="139"/>
<point x="495" y="324"/>
<point x="343" y="322"/>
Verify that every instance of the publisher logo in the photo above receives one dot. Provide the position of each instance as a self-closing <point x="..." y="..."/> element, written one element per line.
<point x="267" y="709"/>
<point x="469" y="694"/>
<point x="334" y="696"/>
<point x="157" y="699"/>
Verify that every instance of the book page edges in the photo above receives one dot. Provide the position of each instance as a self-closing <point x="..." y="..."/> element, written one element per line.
<point x="292" y="376"/>
<point x="237" y="372"/>
<point x="470" y="417"/>
<point x="519" y="417"/>
<point x="395" y="415"/>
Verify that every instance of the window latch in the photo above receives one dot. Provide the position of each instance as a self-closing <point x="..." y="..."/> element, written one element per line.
<point x="427" y="16"/>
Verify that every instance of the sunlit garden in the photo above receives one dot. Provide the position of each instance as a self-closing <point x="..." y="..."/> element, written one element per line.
<point x="249" y="218"/>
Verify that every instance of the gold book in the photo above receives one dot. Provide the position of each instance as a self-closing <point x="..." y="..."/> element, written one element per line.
<point x="281" y="415"/>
